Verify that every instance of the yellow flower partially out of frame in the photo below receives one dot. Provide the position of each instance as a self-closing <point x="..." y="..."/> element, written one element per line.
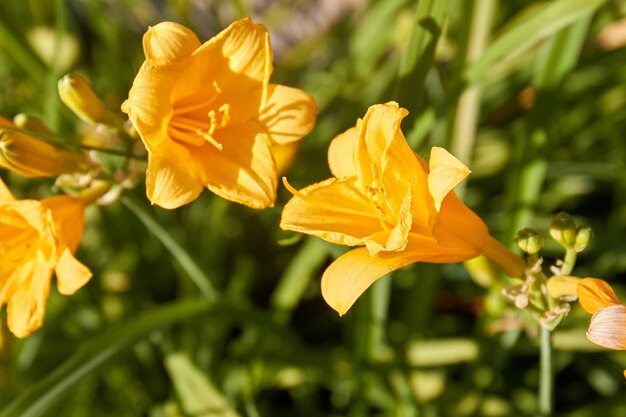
<point x="608" y="323"/>
<point x="387" y="199"/>
<point x="37" y="239"/>
<point x="209" y="116"/>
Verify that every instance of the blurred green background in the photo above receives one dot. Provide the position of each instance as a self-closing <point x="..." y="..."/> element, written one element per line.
<point x="529" y="94"/>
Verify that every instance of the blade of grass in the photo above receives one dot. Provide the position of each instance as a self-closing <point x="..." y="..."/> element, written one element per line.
<point x="539" y="23"/>
<point x="42" y="396"/>
<point x="561" y="56"/>
<point x="20" y="51"/>
<point x="465" y="119"/>
<point x="178" y="252"/>
<point x="420" y="54"/>
<point x="198" y="396"/>
<point x="297" y="276"/>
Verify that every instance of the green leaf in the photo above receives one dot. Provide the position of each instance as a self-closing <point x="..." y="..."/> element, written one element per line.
<point x="420" y="53"/>
<point x="537" y="24"/>
<point x="198" y="396"/>
<point x="94" y="354"/>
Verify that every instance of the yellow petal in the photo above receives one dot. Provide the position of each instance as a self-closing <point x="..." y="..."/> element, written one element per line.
<point x="27" y="303"/>
<point x="169" y="41"/>
<point x="563" y="286"/>
<point x="352" y="273"/>
<point x="285" y="155"/>
<point x="334" y="210"/>
<point x="231" y="69"/>
<point x="288" y="114"/>
<point x="171" y="180"/>
<point x="71" y="274"/>
<point x="608" y="327"/>
<point x="446" y="172"/>
<point x="459" y="227"/>
<point x="244" y="170"/>
<point x="5" y="193"/>
<point x="149" y="105"/>
<point x="395" y="239"/>
<point x="385" y="160"/>
<point x="341" y="154"/>
<point x="69" y="218"/>
<point x="595" y="294"/>
<point x="246" y="45"/>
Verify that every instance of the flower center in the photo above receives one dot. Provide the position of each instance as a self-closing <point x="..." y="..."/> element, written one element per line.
<point x="218" y="120"/>
<point x="376" y="194"/>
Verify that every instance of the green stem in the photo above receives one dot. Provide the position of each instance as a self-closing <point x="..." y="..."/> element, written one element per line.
<point x="192" y="269"/>
<point x="569" y="262"/>
<point x="465" y="119"/>
<point x="546" y="374"/>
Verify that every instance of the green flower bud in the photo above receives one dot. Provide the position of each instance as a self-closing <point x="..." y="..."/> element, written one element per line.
<point x="584" y="235"/>
<point x="529" y="241"/>
<point x="563" y="230"/>
<point x="76" y="93"/>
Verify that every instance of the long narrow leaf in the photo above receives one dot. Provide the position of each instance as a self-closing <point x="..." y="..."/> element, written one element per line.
<point x="94" y="354"/>
<point x="180" y="254"/>
<point x="539" y="24"/>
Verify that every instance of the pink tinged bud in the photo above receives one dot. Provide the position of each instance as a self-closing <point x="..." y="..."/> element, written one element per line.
<point x="608" y="327"/>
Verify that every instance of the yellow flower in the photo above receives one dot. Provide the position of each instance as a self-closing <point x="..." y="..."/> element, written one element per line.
<point x="37" y="238"/>
<point x="33" y="157"/>
<point x="385" y="197"/>
<point x="608" y="323"/>
<point x="209" y="117"/>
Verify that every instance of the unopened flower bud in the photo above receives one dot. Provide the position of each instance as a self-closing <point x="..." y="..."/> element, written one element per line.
<point x="584" y="235"/>
<point x="33" y="157"/>
<point x="563" y="230"/>
<point x="76" y="93"/>
<point x="28" y="122"/>
<point x="529" y="241"/>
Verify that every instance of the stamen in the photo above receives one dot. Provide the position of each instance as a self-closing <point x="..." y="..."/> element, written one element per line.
<point x="292" y="190"/>
<point x="217" y="87"/>
<point x="210" y="139"/>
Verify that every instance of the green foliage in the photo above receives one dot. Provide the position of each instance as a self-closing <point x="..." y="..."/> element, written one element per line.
<point x="211" y="305"/>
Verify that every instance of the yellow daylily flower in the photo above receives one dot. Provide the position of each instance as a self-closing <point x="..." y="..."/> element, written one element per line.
<point x="32" y="157"/>
<point x="37" y="238"/>
<point x="209" y="116"/>
<point x="608" y="323"/>
<point x="386" y="198"/>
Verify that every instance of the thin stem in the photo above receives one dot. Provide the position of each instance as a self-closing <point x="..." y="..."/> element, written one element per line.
<point x="546" y="374"/>
<point x="180" y="254"/>
<point x="569" y="262"/>
<point x="58" y="141"/>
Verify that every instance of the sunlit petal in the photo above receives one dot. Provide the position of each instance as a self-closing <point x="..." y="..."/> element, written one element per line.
<point x="5" y="193"/>
<point x="352" y="273"/>
<point x="595" y="294"/>
<point x="446" y="172"/>
<point x="288" y="114"/>
<point x="69" y="218"/>
<point x="334" y="210"/>
<point x="169" y="41"/>
<point x="71" y="274"/>
<point x="171" y="182"/>
<point x="608" y="327"/>
<point x="341" y="154"/>
<point x="244" y="170"/>
<point x="27" y="303"/>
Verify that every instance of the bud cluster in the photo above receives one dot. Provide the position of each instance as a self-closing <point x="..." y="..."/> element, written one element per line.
<point x="548" y="298"/>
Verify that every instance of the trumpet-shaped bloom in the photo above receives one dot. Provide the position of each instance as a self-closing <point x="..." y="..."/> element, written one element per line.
<point x="37" y="238"/>
<point x="396" y="206"/>
<point x="209" y="116"/>
<point x="608" y="323"/>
